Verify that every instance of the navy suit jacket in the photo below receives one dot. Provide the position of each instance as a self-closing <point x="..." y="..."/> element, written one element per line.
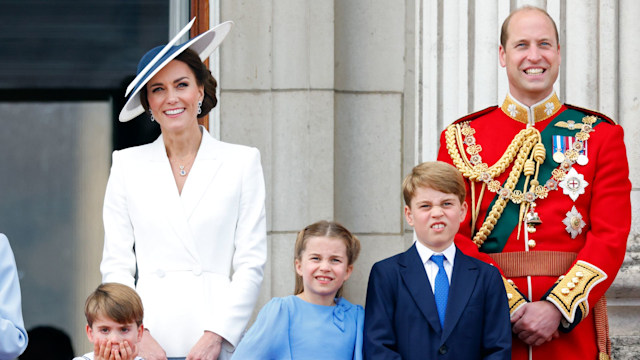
<point x="401" y="319"/>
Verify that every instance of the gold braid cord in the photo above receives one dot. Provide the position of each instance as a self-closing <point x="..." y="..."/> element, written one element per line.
<point x="519" y="149"/>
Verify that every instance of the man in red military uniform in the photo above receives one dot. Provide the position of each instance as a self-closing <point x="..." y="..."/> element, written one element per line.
<point x="549" y="194"/>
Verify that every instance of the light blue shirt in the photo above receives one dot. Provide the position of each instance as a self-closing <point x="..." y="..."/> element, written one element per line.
<point x="13" y="337"/>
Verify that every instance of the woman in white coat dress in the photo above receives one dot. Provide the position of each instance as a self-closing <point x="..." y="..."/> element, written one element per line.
<point x="185" y="212"/>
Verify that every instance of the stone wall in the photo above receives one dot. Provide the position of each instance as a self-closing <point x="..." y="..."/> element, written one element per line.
<point x="343" y="97"/>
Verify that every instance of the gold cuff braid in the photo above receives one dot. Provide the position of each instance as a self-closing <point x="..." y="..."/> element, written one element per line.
<point x="572" y="291"/>
<point x="514" y="297"/>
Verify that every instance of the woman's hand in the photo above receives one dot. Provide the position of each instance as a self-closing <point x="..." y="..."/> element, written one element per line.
<point x="149" y="348"/>
<point x="207" y="348"/>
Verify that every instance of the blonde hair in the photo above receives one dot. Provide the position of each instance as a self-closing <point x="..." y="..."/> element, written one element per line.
<point x="115" y="301"/>
<point x="327" y="229"/>
<point x="436" y="175"/>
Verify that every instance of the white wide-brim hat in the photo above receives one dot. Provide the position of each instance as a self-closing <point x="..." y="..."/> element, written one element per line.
<point x="157" y="58"/>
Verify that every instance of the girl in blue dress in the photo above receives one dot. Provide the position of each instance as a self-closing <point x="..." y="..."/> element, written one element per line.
<point x="315" y="322"/>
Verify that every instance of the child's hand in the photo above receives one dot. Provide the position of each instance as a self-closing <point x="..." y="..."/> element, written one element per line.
<point x="102" y="350"/>
<point x="124" y="351"/>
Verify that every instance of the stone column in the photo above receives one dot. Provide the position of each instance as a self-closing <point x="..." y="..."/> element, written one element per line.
<point x="277" y="94"/>
<point x="370" y="84"/>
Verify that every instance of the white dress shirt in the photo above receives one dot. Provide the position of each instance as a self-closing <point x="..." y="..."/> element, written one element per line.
<point x="431" y="267"/>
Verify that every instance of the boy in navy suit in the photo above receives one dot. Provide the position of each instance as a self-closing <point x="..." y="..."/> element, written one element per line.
<point x="432" y="301"/>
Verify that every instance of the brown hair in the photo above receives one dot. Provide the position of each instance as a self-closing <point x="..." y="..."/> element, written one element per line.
<point x="436" y="175"/>
<point x="115" y="301"/>
<point x="327" y="229"/>
<point x="504" y="32"/>
<point x="203" y="78"/>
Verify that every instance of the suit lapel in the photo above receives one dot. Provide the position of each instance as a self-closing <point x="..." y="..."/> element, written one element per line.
<point x="417" y="282"/>
<point x="463" y="281"/>
<point x="173" y="208"/>
<point x="204" y="169"/>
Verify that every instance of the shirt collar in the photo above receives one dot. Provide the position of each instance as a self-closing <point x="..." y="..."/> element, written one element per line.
<point x="531" y="115"/>
<point x="425" y="253"/>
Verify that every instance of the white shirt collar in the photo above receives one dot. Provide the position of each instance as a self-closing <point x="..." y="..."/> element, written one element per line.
<point x="425" y="253"/>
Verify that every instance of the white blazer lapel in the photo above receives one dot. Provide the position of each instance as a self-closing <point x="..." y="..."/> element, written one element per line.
<point x="204" y="169"/>
<point x="173" y="206"/>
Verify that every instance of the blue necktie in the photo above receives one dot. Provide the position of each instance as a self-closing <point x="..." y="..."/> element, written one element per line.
<point x="441" y="288"/>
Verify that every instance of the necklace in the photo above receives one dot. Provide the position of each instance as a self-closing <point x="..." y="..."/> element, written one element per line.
<point x="475" y="170"/>
<point x="182" y="169"/>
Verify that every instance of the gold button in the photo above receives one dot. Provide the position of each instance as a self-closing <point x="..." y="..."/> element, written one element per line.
<point x="531" y="243"/>
<point x="575" y="280"/>
<point x="571" y="285"/>
<point x="565" y="291"/>
<point x="510" y="281"/>
<point x="579" y="274"/>
<point x="560" y="277"/>
<point x="509" y="296"/>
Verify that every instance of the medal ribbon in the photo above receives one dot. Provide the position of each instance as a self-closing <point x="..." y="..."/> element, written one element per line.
<point x="510" y="216"/>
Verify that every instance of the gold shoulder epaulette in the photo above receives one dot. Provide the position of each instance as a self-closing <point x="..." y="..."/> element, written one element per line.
<point x="572" y="291"/>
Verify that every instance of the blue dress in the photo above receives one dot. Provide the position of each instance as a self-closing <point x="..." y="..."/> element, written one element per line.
<point x="291" y="328"/>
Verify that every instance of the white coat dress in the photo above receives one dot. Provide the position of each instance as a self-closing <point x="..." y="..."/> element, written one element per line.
<point x="199" y="255"/>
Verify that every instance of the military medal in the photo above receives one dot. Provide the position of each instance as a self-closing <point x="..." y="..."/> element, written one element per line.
<point x="559" y="147"/>
<point x="573" y="222"/>
<point x="573" y="184"/>
<point x="582" y="158"/>
<point x="565" y="176"/>
<point x="581" y="148"/>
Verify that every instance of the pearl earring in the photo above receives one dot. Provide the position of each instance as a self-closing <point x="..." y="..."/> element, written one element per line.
<point x="199" y="107"/>
<point x="151" y="115"/>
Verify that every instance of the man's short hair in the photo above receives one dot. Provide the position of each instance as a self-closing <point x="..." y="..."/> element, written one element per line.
<point x="504" y="32"/>
<point x="115" y="301"/>
<point x="436" y="175"/>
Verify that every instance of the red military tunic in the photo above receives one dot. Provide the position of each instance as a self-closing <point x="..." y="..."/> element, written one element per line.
<point x="574" y="254"/>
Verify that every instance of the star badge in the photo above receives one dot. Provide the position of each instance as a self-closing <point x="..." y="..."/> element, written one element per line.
<point x="574" y="223"/>
<point x="573" y="184"/>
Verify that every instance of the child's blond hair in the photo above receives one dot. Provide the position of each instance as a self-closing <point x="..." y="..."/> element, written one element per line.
<point x="115" y="301"/>
<point x="436" y="175"/>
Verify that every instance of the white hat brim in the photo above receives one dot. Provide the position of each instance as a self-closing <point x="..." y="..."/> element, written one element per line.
<point x="204" y="45"/>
